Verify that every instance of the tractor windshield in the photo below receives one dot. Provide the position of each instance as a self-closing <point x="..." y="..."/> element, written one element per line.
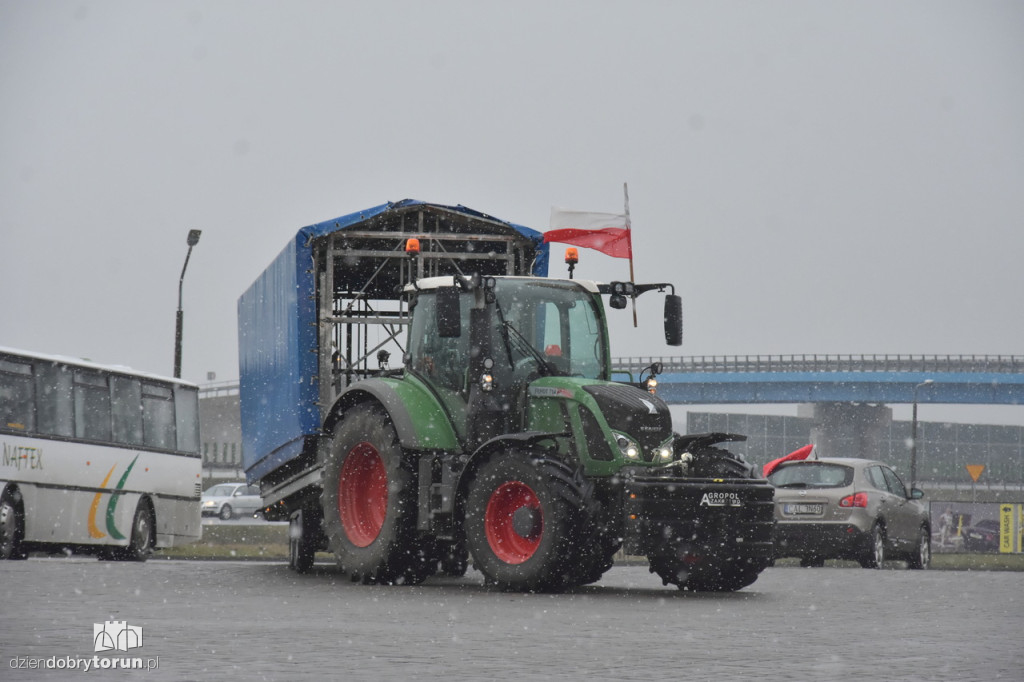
<point x="554" y="325"/>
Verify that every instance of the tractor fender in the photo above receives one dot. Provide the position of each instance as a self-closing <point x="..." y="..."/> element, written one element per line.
<point x="418" y="417"/>
<point x="496" y="444"/>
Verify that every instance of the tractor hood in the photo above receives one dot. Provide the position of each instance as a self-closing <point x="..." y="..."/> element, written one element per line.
<point x="633" y="411"/>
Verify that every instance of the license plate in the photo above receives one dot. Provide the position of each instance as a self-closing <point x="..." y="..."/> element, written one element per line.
<point x="803" y="509"/>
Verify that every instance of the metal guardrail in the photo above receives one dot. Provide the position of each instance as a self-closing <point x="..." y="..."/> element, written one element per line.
<point x="1001" y="364"/>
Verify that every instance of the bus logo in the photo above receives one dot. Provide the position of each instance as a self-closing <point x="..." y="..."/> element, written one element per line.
<point x="94" y="531"/>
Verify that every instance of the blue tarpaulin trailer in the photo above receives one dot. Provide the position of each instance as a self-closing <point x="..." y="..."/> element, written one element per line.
<point x="302" y="323"/>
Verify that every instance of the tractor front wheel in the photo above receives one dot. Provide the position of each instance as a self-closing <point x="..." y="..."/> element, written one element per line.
<point x="522" y="521"/>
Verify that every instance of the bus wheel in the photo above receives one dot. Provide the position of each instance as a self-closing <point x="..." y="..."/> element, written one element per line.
<point x="12" y="526"/>
<point x="524" y="514"/>
<point x="140" y="546"/>
<point x="370" y="502"/>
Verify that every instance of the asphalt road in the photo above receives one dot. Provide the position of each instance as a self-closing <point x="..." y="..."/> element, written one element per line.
<point x="219" y="620"/>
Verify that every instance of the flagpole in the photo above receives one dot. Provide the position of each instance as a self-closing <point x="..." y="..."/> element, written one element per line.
<point x="629" y="236"/>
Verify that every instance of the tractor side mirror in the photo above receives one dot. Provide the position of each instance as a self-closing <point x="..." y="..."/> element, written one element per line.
<point x="449" y="314"/>
<point x="673" y="320"/>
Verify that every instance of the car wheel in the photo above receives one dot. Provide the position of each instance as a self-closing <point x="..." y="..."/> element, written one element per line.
<point x="874" y="555"/>
<point x="225" y="512"/>
<point x="922" y="558"/>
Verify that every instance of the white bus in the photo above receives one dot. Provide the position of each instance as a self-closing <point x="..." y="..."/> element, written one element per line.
<point x="96" y="459"/>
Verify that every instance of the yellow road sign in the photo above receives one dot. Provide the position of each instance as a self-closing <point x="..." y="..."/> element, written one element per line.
<point x="1006" y="528"/>
<point x="975" y="471"/>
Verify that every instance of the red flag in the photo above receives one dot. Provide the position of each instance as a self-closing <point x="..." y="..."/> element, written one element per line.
<point x="802" y="453"/>
<point x="612" y="241"/>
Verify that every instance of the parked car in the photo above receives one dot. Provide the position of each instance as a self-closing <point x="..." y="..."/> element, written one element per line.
<point x="230" y="500"/>
<point x="983" y="536"/>
<point x="844" y="508"/>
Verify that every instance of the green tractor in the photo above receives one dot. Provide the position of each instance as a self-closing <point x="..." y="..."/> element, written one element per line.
<point x="504" y="437"/>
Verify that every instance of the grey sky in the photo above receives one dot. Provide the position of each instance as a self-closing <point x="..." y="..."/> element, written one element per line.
<point x="840" y="177"/>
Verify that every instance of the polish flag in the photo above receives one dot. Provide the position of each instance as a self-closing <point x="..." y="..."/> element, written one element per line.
<point x="802" y="453"/>
<point x="605" y="232"/>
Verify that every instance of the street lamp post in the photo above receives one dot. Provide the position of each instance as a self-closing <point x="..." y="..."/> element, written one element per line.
<point x="913" y="435"/>
<point x="193" y="239"/>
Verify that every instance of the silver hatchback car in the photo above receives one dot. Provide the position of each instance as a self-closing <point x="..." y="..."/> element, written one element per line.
<point x="840" y="508"/>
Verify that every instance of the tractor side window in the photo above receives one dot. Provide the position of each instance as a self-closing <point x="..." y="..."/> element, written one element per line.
<point x="587" y="347"/>
<point x="442" y="361"/>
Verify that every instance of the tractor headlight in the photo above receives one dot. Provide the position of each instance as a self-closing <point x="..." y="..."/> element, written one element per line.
<point x="628" y="447"/>
<point x="663" y="454"/>
<point x="486" y="382"/>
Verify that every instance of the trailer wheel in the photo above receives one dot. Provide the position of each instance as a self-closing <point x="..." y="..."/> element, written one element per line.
<point x="12" y="526"/>
<point x="302" y="544"/>
<point x="370" y="502"/>
<point x="523" y="517"/>
<point x="452" y="558"/>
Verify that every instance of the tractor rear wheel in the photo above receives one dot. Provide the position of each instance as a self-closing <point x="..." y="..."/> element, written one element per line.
<point x="523" y="520"/>
<point x="370" y="502"/>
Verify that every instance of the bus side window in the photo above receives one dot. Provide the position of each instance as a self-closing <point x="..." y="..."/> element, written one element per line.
<point x="17" y="396"/>
<point x="187" y="419"/>
<point x="158" y="416"/>
<point x="92" y="406"/>
<point x="54" y="405"/>
<point x="126" y="398"/>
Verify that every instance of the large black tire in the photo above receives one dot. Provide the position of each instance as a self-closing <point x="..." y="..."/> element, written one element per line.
<point x="303" y="529"/>
<point x="602" y="540"/>
<point x="370" y="502"/>
<point x="921" y="557"/>
<point x="711" y="462"/>
<point x="12" y="526"/>
<point x="143" y="536"/>
<point x="710" y="570"/>
<point x="874" y="554"/>
<point x="525" y="516"/>
<point x="705" y="576"/>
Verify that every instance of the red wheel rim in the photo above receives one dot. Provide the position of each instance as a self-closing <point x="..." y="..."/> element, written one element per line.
<point x="499" y="522"/>
<point x="363" y="494"/>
